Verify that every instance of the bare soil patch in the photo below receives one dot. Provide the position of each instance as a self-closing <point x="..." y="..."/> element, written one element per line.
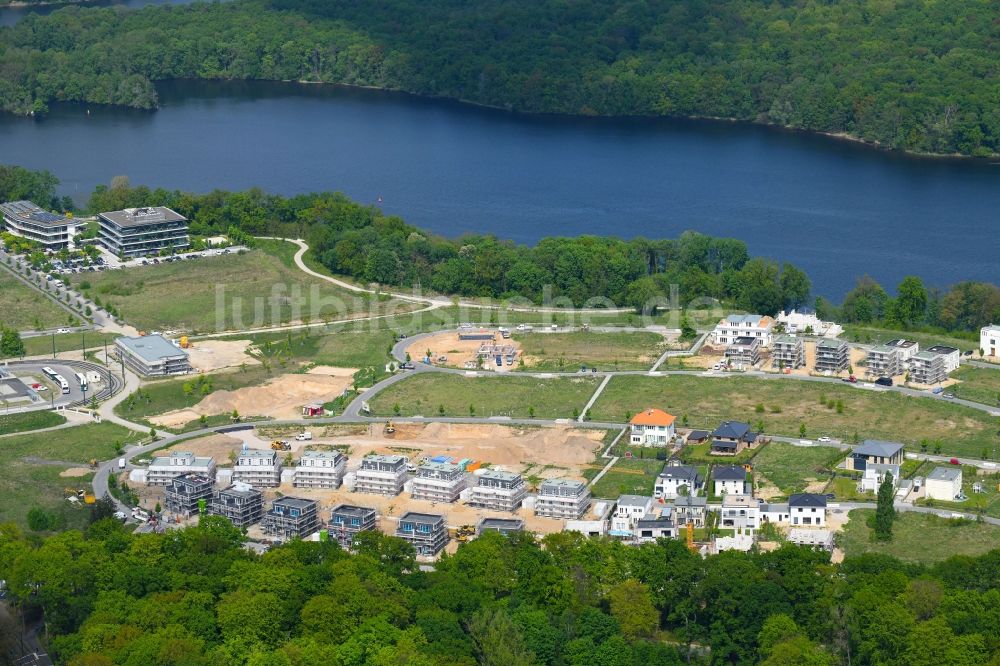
<point x="281" y="398"/>
<point x="209" y="355"/>
<point x="73" y="472"/>
<point x="457" y="353"/>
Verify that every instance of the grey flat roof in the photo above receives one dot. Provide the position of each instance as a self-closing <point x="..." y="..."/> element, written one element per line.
<point x="31" y="212"/>
<point x="297" y="502"/>
<point x="689" y="501"/>
<point x="391" y="459"/>
<point x="786" y="340"/>
<point x="752" y="319"/>
<point x="421" y="517"/>
<point x="658" y="521"/>
<point x="941" y="349"/>
<point x="945" y="473"/>
<point x="633" y="500"/>
<point x="830" y="342"/>
<point x="352" y="510"/>
<point x="241" y="492"/>
<point x="330" y="455"/>
<point x="502" y="523"/>
<point x="744" y="340"/>
<point x="151" y="348"/>
<point x="901" y="343"/>
<point x="499" y="474"/>
<point x="566" y="483"/>
<point x="877" y="447"/>
<point x="137" y="217"/>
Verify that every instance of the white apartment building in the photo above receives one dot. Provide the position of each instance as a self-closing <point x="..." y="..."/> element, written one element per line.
<point x="562" y="498"/>
<point x="381" y="475"/>
<point x="989" y="341"/>
<point x="498" y="490"/>
<point x="258" y="468"/>
<point x="320" y="469"/>
<point x="27" y="220"/>
<point x="808" y="323"/>
<point x="163" y="469"/>
<point x="744" y="326"/>
<point x="438" y="482"/>
<point x="892" y="358"/>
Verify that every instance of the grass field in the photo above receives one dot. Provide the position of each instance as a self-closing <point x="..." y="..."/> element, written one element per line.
<point x="628" y="477"/>
<point x="343" y="349"/>
<point x="30" y="477"/>
<point x="866" y="414"/>
<point x="980" y="385"/>
<point x="24" y="308"/>
<point x="11" y="423"/>
<point x="920" y="537"/>
<point x="607" y="351"/>
<point x="986" y="502"/>
<point x="846" y="489"/>
<point x="234" y="291"/>
<point x="788" y="466"/>
<point x="424" y="393"/>
<point x="870" y="335"/>
<point x="42" y="345"/>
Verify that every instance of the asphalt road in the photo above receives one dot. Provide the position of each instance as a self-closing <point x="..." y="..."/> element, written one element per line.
<point x="76" y="397"/>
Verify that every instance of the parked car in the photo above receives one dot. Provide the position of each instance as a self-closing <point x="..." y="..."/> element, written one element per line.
<point x="826" y="438"/>
<point x="948" y="396"/>
<point x="407" y="366"/>
<point x="884" y="381"/>
<point x="62" y="330"/>
<point x="954" y="461"/>
<point x="937" y="390"/>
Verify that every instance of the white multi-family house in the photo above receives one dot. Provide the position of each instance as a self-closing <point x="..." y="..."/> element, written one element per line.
<point x="740" y="512"/>
<point x="989" y="341"/>
<point x="652" y="427"/>
<point x="743" y="326"/>
<point x="807" y="509"/>
<point x="875" y="474"/>
<point x="163" y="469"/>
<point x="320" y="469"/>
<point x="808" y="323"/>
<point x="257" y="467"/>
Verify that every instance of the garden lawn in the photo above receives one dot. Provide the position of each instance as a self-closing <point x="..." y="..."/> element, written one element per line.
<point x="42" y="345"/>
<point x="790" y="467"/>
<point x="343" y="349"/>
<point x="607" y="351"/>
<point x="980" y="385"/>
<point x="919" y="537"/>
<point x="867" y="414"/>
<point x="423" y="394"/>
<point x="24" y="308"/>
<point x="228" y="292"/>
<point x="870" y="335"/>
<point x="629" y="476"/>
<point x="25" y="421"/>
<point x="986" y="502"/>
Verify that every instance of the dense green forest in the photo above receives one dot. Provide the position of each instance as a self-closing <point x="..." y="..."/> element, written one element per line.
<point x="196" y="596"/>
<point x="912" y="75"/>
<point x="363" y="243"/>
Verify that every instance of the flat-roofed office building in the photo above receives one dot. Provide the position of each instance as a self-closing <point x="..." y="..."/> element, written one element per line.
<point x="28" y="220"/>
<point x="137" y="232"/>
<point x="152" y="356"/>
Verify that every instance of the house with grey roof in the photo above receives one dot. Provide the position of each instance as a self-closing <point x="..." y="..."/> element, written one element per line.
<point x="381" y="474"/>
<point x="505" y="526"/>
<point x="944" y="483"/>
<point x="258" y="467"/>
<point x="152" y="356"/>
<point x="832" y="356"/>
<point x="628" y="510"/>
<point x="498" y="490"/>
<point x="730" y="480"/>
<point x="807" y="509"/>
<point x="320" y="469"/>
<point x="425" y="531"/>
<point x="743" y="325"/>
<point x="240" y="503"/>
<point x="346" y="520"/>
<point x="291" y="517"/>
<point x="688" y="508"/>
<point x="731" y="437"/>
<point x="873" y="452"/>
<point x="438" y="482"/>
<point x="788" y="351"/>
<point x="675" y="476"/>
<point x="562" y="498"/>
<point x="164" y="469"/>
<point x="185" y="494"/>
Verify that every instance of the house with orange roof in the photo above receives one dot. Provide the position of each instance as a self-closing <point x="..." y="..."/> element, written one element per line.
<point x="652" y="427"/>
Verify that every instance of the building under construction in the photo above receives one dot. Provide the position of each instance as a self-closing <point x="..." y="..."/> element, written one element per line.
<point x="183" y="493"/>
<point x="291" y="517"/>
<point x="346" y="520"/>
<point x="241" y="503"/>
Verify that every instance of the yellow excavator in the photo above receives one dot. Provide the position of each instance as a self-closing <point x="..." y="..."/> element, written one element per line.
<point x="389" y="428"/>
<point x="464" y="533"/>
<point x="690" y="536"/>
<point x="280" y="445"/>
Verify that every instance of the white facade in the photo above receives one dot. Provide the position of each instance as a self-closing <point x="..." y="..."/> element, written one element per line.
<point x="438" y="482"/>
<point x="800" y="322"/>
<point x="498" y="490"/>
<point x="874" y="475"/>
<point x="740" y="512"/>
<point x="808" y="510"/>
<point x="381" y="475"/>
<point x="165" y="468"/>
<point x="258" y="468"/>
<point x="320" y="469"/>
<point x="651" y="427"/>
<point x="740" y="326"/>
<point x="944" y="483"/>
<point x="629" y="510"/>
<point x="989" y="341"/>
<point x="674" y="477"/>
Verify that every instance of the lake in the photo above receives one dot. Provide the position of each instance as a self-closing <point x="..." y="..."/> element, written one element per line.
<point x="11" y="15"/>
<point x="837" y="209"/>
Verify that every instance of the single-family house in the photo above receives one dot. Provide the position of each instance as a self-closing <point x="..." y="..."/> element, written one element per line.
<point x="731" y="437"/>
<point x="675" y="476"/>
<point x="649" y="528"/>
<point x="746" y="325"/>
<point x="730" y="480"/>
<point x="628" y="510"/>
<point x="771" y="512"/>
<point x="652" y="427"/>
<point x="944" y="483"/>
<point x="688" y="509"/>
<point x="875" y="474"/>
<point x="874" y="452"/>
<point x="807" y="509"/>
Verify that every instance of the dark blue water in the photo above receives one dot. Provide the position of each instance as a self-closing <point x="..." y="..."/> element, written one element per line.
<point x="11" y="15"/>
<point x="836" y="209"/>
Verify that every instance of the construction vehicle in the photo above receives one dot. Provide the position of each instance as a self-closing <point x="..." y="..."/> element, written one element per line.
<point x="185" y="342"/>
<point x="280" y="445"/>
<point x="389" y="428"/>
<point x="690" y="536"/>
<point x="93" y="463"/>
<point x="89" y="498"/>
<point x="465" y="533"/>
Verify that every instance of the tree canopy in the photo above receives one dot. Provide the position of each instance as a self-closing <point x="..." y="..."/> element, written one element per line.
<point x="909" y="75"/>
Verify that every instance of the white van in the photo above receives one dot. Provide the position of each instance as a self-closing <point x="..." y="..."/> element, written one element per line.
<point x="121" y="463"/>
<point x="304" y="436"/>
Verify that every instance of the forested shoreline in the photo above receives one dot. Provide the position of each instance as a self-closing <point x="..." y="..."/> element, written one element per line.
<point x="363" y="243"/>
<point x="197" y="597"/>
<point x="919" y="77"/>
